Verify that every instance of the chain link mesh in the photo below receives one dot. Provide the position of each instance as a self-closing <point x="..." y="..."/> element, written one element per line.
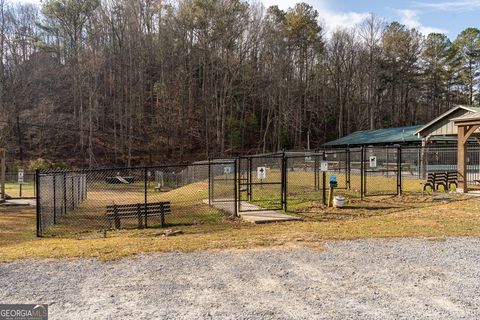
<point x="76" y="201"/>
<point x="261" y="182"/>
<point x="73" y="202"/>
<point x="14" y="189"/>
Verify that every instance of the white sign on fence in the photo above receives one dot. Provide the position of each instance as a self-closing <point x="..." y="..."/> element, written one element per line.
<point x="323" y="166"/>
<point x="373" y="161"/>
<point x="20" y="176"/>
<point x="227" y="169"/>
<point x="261" y="173"/>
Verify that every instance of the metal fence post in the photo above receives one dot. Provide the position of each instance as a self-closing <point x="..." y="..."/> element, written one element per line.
<point x="73" y="193"/>
<point x="64" y="193"/>
<point x="324" y="183"/>
<point x="348" y="168"/>
<point x="418" y="163"/>
<point x="249" y="179"/>
<point x="54" y="200"/>
<point x="386" y="157"/>
<point x="362" y="172"/>
<point x="37" y="196"/>
<point x="235" y="188"/>
<point x="145" y="186"/>
<point x="209" y="181"/>
<point x="399" y="170"/>
<point x="284" y="174"/>
<point x="78" y="189"/>
<point x="315" y="171"/>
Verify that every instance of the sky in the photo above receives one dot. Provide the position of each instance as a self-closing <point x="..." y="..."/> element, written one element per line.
<point x="445" y="16"/>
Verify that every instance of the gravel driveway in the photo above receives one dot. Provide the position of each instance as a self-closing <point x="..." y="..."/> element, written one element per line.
<point x="364" y="279"/>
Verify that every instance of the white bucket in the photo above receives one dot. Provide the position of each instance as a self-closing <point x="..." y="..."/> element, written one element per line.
<point x="338" y="201"/>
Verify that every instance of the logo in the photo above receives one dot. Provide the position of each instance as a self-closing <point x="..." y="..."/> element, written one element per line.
<point x="23" y="312"/>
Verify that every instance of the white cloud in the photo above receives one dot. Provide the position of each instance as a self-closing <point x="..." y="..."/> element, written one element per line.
<point x="23" y="1"/>
<point x="335" y="20"/>
<point x="464" y="5"/>
<point x="331" y="19"/>
<point x="411" y="19"/>
<point x="284" y="4"/>
<point x="37" y="2"/>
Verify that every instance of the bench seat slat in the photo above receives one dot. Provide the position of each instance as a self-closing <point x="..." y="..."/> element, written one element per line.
<point x="134" y="205"/>
<point x="142" y="211"/>
<point x="137" y="210"/>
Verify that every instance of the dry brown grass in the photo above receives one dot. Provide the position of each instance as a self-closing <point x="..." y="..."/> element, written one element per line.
<point x="17" y="224"/>
<point x="187" y="204"/>
<point x="407" y="217"/>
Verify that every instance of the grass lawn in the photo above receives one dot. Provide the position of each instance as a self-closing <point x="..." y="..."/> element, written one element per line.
<point x="206" y="228"/>
<point x="13" y="190"/>
<point x="379" y="217"/>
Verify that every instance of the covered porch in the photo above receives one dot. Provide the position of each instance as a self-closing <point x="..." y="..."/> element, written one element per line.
<point x="461" y="123"/>
<point x="467" y="126"/>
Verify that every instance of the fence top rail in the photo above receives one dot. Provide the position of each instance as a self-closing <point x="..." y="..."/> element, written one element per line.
<point x="215" y="161"/>
<point x="263" y="155"/>
<point x="16" y="172"/>
<point x="279" y="154"/>
<point x="106" y="169"/>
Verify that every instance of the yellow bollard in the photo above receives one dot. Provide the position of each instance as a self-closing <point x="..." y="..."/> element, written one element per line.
<point x="330" y="197"/>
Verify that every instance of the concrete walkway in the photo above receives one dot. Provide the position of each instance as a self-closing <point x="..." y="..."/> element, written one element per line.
<point x="20" y="202"/>
<point x="252" y="213"/>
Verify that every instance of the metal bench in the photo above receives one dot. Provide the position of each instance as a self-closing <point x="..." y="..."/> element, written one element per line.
<point x="141" y="211"/>
<point x="452" y="178"/>
<point x="445" y="179"/>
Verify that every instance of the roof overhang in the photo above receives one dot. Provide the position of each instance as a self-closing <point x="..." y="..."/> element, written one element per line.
<point x="443" y="116"/>
<point x="468" y="119"/>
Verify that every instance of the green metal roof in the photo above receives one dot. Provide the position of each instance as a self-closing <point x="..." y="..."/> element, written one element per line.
<point x="380" y="136"/>
<point x="388" y="136"/>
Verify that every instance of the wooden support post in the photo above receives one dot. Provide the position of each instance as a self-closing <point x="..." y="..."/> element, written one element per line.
<point x="462" y="160"/>
<point x="423" y="160"/>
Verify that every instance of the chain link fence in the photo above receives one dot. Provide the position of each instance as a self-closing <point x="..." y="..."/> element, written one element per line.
<point x="262" y="185"/>
<point x="76" y="201"/>
<point x="73" y="202"/>
<point x="14" y="189"/>
<point x="381" y="171"/>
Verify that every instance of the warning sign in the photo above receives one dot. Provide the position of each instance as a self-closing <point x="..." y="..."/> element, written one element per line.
<point x="20" y="176"/>
<point x="373" y="161"/>
<point x="261" y="173"/>
<point x="323" y="166"/>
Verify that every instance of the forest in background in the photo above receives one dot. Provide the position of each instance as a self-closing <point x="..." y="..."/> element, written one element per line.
<point x="130" y="82"/>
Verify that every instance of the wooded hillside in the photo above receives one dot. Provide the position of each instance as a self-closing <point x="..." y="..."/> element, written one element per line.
<point x="128" y="82"/>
